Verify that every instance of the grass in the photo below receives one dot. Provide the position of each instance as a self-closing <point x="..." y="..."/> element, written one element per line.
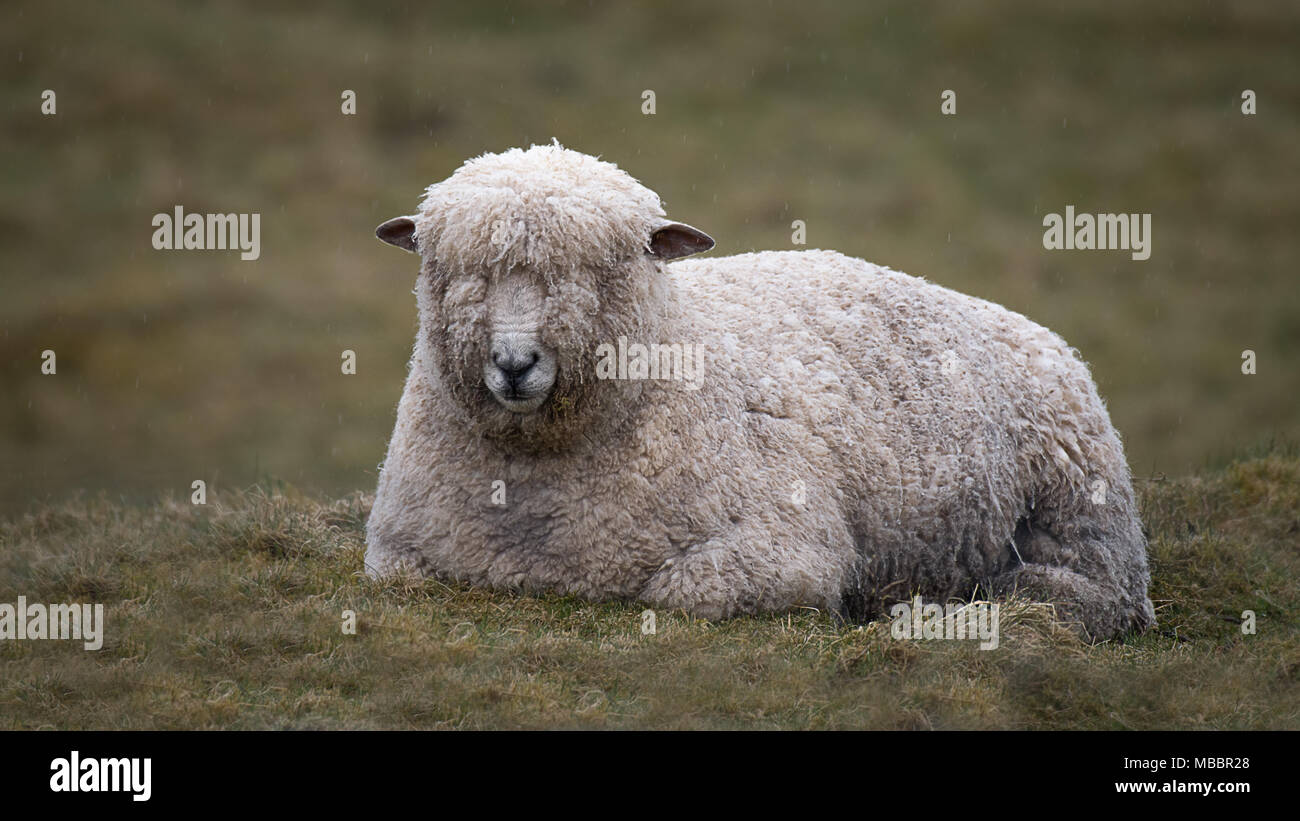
<point x="230" y="616"/>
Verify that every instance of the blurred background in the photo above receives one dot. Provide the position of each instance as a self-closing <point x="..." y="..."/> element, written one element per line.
<point x="175" y="366"/>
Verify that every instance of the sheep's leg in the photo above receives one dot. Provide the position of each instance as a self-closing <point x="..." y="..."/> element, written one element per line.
<point x="696" y="582"/>
<point x="1094" y="572"/>
<point x="752" y="570"/>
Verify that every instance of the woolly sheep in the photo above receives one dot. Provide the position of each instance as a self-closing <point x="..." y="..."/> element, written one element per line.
<point x="857" y="436"/>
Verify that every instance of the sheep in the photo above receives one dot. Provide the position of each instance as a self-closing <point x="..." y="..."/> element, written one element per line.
<point x="857" y="436"/>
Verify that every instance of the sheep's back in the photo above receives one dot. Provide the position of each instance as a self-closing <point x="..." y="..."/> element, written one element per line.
<point x="933" y="403"/>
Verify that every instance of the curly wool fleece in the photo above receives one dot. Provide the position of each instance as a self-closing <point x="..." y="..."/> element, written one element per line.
<point x="858" y="436"/>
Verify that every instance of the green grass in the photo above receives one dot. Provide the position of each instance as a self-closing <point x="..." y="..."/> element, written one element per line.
<point x="176" y="366"/>
<point x="229" y="616"/>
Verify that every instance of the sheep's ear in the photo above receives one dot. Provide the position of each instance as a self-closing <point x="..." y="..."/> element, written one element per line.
<point x="677" y="239"/>
<point x="399" y="231"/>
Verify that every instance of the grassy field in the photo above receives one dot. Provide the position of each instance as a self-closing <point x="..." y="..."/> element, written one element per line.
<point x="175" y="366"/>
<point x="230" y="616"/>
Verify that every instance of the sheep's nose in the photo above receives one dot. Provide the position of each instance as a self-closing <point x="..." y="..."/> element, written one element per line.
<point x="513" y="364"/>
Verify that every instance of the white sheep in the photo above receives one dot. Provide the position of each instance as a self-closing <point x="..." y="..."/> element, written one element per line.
<point x="856" y="435"/>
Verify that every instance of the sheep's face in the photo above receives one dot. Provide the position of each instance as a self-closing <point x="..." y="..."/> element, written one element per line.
<point x="515" y="348"/>
<point x="520" y="367"/>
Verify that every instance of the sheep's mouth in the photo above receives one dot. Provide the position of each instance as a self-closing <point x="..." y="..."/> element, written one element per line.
<point x="517" y="397"/>
<point x="520" y="402"/>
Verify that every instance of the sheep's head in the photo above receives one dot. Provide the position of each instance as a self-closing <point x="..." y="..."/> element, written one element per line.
<point x="531" y="260"/>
